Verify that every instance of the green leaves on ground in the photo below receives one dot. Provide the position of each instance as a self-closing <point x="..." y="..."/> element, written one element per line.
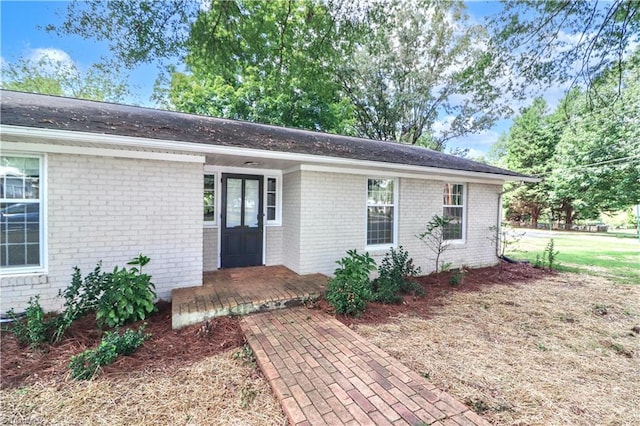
<point x="85" y="365"/>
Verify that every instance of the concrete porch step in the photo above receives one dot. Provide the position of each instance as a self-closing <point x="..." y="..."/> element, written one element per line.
<point x="241" y="291"/>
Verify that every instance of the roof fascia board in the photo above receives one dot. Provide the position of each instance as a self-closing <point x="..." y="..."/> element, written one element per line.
<point x="201" y="148"/>
<point x="101" y="152"/>
<point x="444" y="177"/>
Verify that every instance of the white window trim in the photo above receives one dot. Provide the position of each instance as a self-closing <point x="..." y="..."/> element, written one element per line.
<point x="462" y="240"/>
<point x="265" y="173"/>
<point x="216" y="194"/>
<point x="396" y="191"/>
<point x="44" y="252"/>
<point x="278" y="220"/>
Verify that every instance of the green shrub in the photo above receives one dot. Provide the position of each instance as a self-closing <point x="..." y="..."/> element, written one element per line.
<point x="81" y="297"/>
<point x="395" y="277"/>
<point x="34" y="328"/>
<point x="457" y="276"/>
<point x="128" y="295"/>
<point x="350" y="288"/>
<point x="85" y="365"/>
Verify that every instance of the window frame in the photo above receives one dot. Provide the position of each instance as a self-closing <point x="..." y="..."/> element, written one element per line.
<point x="396" y="190"/>
<point x="463" y="206"/>
<point x="216" y="190"/>
<point x="42" y="225"/>
<point x="278" y="206"/>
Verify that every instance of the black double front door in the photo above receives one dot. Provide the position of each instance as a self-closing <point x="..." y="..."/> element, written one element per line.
<point x="242" y="221"/>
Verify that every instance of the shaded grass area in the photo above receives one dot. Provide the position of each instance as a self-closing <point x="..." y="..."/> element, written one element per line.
<point x="615" y="256"/>
<point x="554" y="351"/>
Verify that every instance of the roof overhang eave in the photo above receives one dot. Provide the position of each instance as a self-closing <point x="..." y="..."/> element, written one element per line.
<point x="80" y="138"/>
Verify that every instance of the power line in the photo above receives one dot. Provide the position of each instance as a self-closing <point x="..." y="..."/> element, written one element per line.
<point x="625" y="160"/>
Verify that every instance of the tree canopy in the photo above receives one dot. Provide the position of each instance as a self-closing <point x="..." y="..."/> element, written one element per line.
<point x="588" y="157"/>
<point x="420" y="77"/>
<point x="52" y="75"/>
<point x="269" y="62"/>
<point x="558" y="41"/>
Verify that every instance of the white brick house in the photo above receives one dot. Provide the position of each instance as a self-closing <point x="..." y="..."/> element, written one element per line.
<point x="86" y="181"/>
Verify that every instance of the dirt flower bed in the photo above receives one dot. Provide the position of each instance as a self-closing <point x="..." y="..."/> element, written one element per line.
<point x="546" y="349"/>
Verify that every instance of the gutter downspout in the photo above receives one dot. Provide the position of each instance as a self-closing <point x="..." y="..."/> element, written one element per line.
<point x="499" y="218"/>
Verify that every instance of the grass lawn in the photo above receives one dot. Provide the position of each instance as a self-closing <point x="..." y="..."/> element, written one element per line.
<point x="615" y="256"/>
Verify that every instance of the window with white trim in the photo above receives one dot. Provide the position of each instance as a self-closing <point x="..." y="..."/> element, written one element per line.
<point x="21" y="214"/>
<point x="453" y="208"/>
<point x="273" y="215"/>
<point x="381" y="212"/>
<point x="209" y="198"/>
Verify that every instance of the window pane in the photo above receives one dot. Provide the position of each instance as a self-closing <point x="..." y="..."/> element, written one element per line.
<point x="210" y="198"/>
<point x="453" y="231"/>
<point x="271" y="213"/>
<point x="379" y="225"/>
<point x="20" y="177"/>
<point x="452" y="195"/>
<point x="251" y="203"/>
<point x="20" y="234"/>
<point x="380" y="191"/>
<point x="234" y="202"/>
<point x="271" y="184"/>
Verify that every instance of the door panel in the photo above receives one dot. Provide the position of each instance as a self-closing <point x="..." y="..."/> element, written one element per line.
<point x="242" y="221"/>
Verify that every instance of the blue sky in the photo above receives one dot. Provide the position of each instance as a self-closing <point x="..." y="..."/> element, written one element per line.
<point x="22" y="35"/>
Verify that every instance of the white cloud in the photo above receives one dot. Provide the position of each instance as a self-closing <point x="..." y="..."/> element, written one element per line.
<point x="51" y="59"/>
<point x="53" y="54"/>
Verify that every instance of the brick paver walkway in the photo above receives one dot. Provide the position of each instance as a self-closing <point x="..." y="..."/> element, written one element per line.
<point x="322" y="372"/>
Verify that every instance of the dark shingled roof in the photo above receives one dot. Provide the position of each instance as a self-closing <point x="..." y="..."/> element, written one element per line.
<point x="52" y="112"/>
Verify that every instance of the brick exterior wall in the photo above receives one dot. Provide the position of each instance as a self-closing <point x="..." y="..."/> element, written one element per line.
<point x="210" y="249"/>
<point x="274" y="235"/>
<point x="331" y="216"/>
<point x="112" y="209"/>
<point x="291" y="220"/>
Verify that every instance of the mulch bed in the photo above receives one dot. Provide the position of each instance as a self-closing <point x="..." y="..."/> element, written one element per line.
<point x="438" y="286"/>
<point x="165" y="349"/>
<point x="168" y="348"/>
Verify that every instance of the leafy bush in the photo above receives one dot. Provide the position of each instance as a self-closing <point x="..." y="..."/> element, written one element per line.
<point x="33" y="329"/>
<point x="350" y="288"/>
<point x="85" y="365"/>
<point x="457" y="276"/>
<point x="81" y="297"/>
<point x="395" y="277"/>
<point x="128" y="295"/>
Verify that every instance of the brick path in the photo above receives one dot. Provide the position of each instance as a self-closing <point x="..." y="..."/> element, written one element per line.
<point x="322" y="372"/>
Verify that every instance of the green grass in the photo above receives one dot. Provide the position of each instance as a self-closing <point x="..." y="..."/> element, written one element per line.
<point x="615" y="256"/>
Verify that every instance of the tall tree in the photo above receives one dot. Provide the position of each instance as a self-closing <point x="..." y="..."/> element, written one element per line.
<point x="269" y="62"/>
<point x="420" y="76"/>
<point x="530" y="148"/>
<point x="56" y="75"/>
<point x="560" y="41"/>
<point x="597" y="161"/>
